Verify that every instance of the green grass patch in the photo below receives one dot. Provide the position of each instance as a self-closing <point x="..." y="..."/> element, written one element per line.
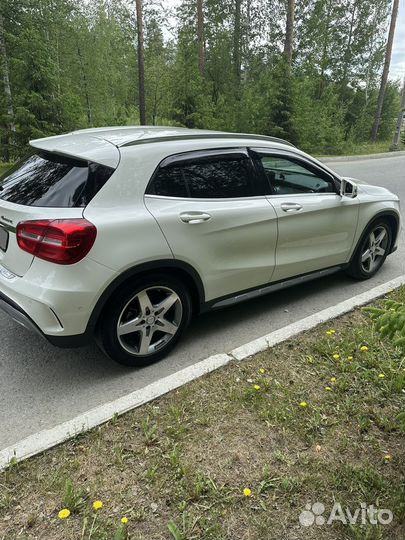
<point x="4" y="167"/>
<point x="353" y="149"/>
<point x="237" y="453"/>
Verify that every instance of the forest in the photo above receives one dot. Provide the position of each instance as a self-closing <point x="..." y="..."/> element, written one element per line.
<point x="308" y="71"/>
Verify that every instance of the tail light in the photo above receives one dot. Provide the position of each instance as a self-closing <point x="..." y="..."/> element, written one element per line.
<point x="61" y="241"/>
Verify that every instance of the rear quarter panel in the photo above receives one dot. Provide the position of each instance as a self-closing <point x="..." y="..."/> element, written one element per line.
<point x="127" y="234"/>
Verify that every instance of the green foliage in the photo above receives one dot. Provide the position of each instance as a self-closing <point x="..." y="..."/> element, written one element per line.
<point x="73" y="64"/>
<point x="390" y="321"/>
<point x="72" y="498"/>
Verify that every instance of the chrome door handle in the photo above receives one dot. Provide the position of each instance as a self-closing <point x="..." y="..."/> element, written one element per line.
<point x="194" y="217"/>
<point x="291" y="207"/>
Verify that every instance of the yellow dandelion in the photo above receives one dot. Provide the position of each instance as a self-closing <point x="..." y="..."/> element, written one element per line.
<point x="350" y="358"/>
<point x="256" y="387"/>
<point x="328" y="333"/>
<point x="333" y="380"/>
<point x="364" y="348"/>
<point x="124" y="520"/>
<point x="64" y="513"/>
<point x="97" y="505"/>
<point x="336" y="356"/>
<point x="262" y="370"/>
<point x="381" y="376"/>
<point x="387" y="457"/>
<point x="303" y="404"/>
<point x="328" y="388"/>
<point x="247" y="492"/>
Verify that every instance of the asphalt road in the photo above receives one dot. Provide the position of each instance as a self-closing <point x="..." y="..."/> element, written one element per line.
<point x="41" y="386"/>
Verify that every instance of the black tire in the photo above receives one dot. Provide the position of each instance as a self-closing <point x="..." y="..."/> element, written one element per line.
<point x="125" y="309"/>
<point x="357" y="268"/>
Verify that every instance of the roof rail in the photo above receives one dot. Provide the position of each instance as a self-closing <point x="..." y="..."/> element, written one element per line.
<point x="207" y="136"/>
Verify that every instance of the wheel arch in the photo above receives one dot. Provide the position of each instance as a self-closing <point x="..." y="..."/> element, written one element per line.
<point x="179" y="269"/>
<point x="392" y="219"/>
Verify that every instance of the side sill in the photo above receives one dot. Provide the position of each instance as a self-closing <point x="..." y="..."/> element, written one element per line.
<point x="273" y="287"/>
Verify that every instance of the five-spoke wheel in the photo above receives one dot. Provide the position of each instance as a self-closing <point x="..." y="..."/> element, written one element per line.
<point x="372" y="251"/>
<point x="149" y="320"/>
<point x="376" y="247"/>
<point x="145" y="320"/>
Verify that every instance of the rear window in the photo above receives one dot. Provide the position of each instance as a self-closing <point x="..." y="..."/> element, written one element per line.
<point x="51" y="180"/>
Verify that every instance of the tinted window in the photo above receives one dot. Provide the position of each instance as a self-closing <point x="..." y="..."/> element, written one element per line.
<point x="287" y="177"/>
<point x="45" y="179"/>
<point x="206" y="178"/>
<point x="169" y="181"/>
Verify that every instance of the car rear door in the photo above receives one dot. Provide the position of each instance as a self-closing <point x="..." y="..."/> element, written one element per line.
<point x="316" y="226"/>
<point x="213" y="211"/>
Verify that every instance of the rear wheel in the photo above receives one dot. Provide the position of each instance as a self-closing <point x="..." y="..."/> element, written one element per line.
<point x="372" y="251"/>
<point x="145" y="321"/>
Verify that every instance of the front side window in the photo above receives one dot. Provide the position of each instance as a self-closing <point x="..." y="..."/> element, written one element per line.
<point x="213" y="178"/>
<point x="288" y="177"/>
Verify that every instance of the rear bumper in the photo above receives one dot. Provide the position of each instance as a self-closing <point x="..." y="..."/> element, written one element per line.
<point x="55" y="301"/>
<point x="18" y="315"/>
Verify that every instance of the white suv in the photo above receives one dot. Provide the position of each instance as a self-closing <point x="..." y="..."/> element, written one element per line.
<point x="123" y="233"/>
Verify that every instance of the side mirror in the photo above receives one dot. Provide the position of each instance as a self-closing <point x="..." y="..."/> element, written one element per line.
<point x="348" y="189"/>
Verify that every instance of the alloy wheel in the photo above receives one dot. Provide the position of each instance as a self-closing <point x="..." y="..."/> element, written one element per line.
<point x="375" y="248"/>
<point x="149" y="320"/>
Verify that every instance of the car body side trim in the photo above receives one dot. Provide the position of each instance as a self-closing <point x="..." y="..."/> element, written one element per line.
<point x="272" y="287"/>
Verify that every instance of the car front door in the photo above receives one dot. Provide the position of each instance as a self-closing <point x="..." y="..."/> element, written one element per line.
<point x="316" y="226"/>
<point x="212" y="208"/>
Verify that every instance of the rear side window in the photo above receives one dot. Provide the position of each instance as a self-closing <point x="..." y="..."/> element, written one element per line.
<point x="218" y="178"/>
<point x="50" y="180"/>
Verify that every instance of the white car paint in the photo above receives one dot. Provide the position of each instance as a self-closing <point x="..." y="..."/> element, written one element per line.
<point x="248" y="242"/>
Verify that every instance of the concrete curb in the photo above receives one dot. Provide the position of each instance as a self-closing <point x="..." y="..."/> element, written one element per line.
<point x="38" y="442"/>
<point x="332" y="159"/>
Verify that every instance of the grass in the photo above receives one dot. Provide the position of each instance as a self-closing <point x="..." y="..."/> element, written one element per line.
<point x="178" y="466"/>
<point x="351" y="149"/>
<point x="4" y="167"/>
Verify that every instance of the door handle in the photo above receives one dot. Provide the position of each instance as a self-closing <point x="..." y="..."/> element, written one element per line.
<point x="194" y="217"/>
<point x="291" y="207"/>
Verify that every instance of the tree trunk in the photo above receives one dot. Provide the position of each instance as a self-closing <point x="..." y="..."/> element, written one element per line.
<point x="237" y="41"/>
<point x="85" y="87"/>
<point x="397" y="135"/>
<point x="141" y="63"/>
<point x="200" y="37"/>
<point x="386" y="69"/>
<point x="289" y="31"/>
<point x="325" y="45"/>
<point x="7" y="91"/>
<point x="348" y="51"/>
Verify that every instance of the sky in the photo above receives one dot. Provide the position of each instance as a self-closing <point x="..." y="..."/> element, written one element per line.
<point x="397" y="68"/>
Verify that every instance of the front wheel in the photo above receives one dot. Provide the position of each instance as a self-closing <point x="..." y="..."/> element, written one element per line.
<point x="145" y="321"/>
<point x="372" y="251"/>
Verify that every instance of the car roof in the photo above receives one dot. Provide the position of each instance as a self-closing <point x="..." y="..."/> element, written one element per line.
<point x="134" y="135"/>
<point x="102" y="144"/>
